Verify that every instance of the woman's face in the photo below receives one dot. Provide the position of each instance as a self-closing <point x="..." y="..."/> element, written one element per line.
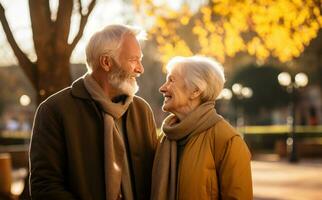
<point x="177" y="96"/>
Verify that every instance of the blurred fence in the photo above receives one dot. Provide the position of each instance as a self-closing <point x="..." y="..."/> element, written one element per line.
<point x="279" y="129"/>
<point x="260" y="139"/>
<point x="273" y="139"/>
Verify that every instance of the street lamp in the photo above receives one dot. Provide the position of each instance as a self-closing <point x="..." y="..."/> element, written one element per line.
<point x="226" y="94"/>
<point x="241" y="92"/>
<point x="24" y="100"/>
<point x="300" y="80"/>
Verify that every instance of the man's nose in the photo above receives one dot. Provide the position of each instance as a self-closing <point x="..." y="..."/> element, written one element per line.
<point x="139" y="68"/>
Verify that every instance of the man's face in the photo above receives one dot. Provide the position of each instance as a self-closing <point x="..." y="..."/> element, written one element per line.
<point x="122" y="80"/>
<point x="123" y="74"/>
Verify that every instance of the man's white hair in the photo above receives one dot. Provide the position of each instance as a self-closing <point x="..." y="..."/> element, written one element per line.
<point x="107" y="41"/>
<point x="203" y="73"/>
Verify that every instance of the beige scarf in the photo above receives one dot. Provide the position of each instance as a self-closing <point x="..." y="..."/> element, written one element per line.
<point x="164" y="172"/>
<point x="114" y="148"/>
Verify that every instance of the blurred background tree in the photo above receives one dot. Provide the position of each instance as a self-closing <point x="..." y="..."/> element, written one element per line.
<point x="1" y="106"/>
<point x="53" y="46"/>
<point x="263" y="83"/>
<point x="279" y="29"/>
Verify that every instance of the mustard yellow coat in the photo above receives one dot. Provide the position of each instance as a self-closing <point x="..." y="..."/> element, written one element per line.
<point x="198" y="176"/>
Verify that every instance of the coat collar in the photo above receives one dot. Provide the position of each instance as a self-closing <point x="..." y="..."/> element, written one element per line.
<point x="79" y="90"/>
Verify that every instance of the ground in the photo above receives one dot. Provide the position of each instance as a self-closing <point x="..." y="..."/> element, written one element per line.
<point x="281" y="180"/>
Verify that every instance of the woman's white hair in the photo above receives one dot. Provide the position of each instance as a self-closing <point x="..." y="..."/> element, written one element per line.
<point x="107" y="41"/>
<point x="199" y="72"/>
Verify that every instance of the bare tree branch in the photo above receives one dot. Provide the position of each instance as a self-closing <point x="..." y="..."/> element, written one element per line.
<point x="83" y="21"/>
<point x="62" y="24"/>
<point x="80" y="6"/>
<point x="25" y="63"/>
<point x="48" y="14"/>
<point x="41" y="25"/>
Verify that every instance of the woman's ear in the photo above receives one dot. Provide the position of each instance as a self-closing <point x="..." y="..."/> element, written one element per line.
<point x="105" y="62"/>
<point x="195" y="94"/>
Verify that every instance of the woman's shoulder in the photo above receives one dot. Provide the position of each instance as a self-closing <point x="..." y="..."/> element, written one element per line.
<point x="225" y="127"/>
<point x="223" y="131"/>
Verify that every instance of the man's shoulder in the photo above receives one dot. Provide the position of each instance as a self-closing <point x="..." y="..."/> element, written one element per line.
<point x="140" y="104"/>
<point x="65" y="95"/>
<point x="58" y="101"/>
<point x="60" y="96"/>
<point x="140" y="101"/>
<point x="55" y="102"/>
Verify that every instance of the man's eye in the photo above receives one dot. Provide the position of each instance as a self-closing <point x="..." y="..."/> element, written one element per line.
<point x="135" y="60"/>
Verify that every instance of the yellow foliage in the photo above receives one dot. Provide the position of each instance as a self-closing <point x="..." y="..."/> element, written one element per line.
<point x="169" y="50"/>
<point x="280" y="28"/>
<point x="184" y="20"/>
<point x="320" y="20"/>
<point x="316" y="11"/>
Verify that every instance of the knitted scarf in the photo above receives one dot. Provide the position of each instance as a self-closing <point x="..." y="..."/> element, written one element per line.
<point x="114" y="147"/>
<point x="164" y="172"/>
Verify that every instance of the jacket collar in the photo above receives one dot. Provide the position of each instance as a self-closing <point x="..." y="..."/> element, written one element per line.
<point x="79" y="90"/>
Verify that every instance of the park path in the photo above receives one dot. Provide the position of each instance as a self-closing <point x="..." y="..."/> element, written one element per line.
<point x="280" y="180"/>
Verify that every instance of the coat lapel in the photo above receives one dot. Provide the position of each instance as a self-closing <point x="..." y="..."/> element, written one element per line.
<point x="79" y="91"/>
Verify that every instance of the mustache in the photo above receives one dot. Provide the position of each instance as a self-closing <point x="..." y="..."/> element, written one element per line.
<point x="127" y="75"/>
<point x="136" y="75"/>
<point x="121" y="73"/>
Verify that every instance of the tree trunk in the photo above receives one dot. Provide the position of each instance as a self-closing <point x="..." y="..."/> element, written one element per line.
<point x="52" y="76"/>
<point x="51" y="72"/>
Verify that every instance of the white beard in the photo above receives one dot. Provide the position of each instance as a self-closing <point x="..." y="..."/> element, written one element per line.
<point x="123" y="80"/>
<point x="128" y="87"/>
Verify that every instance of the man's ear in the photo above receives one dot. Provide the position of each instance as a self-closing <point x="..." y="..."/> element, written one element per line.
<point x="105" y="62"/>
<point x="195" y="94"/>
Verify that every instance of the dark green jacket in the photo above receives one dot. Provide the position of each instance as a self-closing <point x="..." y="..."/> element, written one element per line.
<point x="67" y="147"/>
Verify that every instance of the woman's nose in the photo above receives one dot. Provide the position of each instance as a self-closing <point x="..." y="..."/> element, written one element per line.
<point x="162" y="89"/>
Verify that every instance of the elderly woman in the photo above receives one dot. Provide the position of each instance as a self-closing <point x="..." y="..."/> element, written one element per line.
<point x="200" y="155"/>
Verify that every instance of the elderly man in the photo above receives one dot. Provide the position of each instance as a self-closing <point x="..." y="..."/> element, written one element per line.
<point x="95" y="140"/>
